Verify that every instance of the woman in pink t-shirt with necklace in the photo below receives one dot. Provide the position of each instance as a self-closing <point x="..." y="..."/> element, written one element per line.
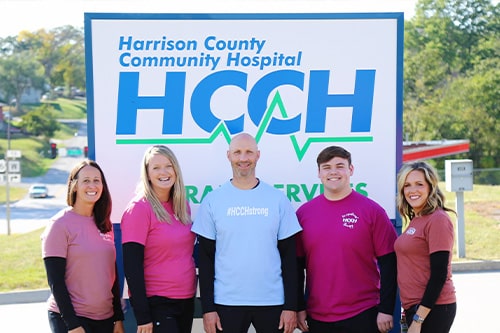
<point x="424" y="251"/>
<point x="158" y="247"/>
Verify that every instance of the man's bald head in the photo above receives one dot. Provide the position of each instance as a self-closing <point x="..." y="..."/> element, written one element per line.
<point x="243" y="138"/>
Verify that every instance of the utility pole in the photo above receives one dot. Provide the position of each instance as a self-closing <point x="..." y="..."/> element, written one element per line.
<point x="7" y="180"/>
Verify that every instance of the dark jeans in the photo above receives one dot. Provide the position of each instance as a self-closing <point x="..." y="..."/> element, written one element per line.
<point x="439" y="320"/>
<point x="365" y="322"/>
<point x="237" y="319"/>
<point x="171" y="315"/>
<point x="57" y="324"/>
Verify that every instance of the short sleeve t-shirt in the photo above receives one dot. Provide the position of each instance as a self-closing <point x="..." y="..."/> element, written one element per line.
<point x="90" y="262"/>
<point x="169" y="269"/>
<point x="423" y="236"/>
<point x="341" y="241"/>
<point x="246" y="226"/>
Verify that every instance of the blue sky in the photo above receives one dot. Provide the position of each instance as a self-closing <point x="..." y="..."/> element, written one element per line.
<point x="31" y="15"/>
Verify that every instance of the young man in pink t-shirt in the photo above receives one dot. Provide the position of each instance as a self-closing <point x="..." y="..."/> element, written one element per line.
<point x="347" y="250"/>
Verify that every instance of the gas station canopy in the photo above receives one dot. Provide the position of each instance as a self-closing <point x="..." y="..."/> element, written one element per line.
<point x="424" y="150"/>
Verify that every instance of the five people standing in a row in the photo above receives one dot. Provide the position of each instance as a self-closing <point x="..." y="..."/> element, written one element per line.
<point x="254" y="252"/>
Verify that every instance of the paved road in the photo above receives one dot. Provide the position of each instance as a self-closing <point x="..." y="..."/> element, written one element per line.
<point x="30" y="214"/>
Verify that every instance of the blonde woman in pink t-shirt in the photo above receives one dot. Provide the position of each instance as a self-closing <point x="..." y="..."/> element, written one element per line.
<point x="158" y="247"/>
<point x="424" y="251"/>
<point x="79" y="254"/>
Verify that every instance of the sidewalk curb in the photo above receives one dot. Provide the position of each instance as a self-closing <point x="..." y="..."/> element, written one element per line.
<point x="41" y="295"/>
<point x="28" y="296"/>
<point x="475" y="266"/>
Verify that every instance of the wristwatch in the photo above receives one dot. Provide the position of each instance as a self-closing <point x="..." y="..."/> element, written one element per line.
<point x="418" y="319"/>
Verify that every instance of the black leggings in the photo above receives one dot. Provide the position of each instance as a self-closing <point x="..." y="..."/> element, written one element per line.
<point x="237" y="319"/>
<point x="171" y="315"/>
<point x="439" y="320"/>
<point x="365" y="322"/>
<point x="57" y="324"/>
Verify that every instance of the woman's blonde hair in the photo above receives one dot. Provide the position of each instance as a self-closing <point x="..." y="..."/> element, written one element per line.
<point x="177" y="194"/>
<point x="435" y="199"/>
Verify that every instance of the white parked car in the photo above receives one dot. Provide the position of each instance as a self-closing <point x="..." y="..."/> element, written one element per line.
<point x="38" y="191"/>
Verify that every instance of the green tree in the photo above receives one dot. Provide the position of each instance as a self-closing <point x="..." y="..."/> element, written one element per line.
<point x="473" y="102"/>
<point x="40" y="122"/>
<point x="18" y="72"/>
<point x="60" y="52"/>
<point x="451" y="75"/>
<point x="43" y="45"/>
<point x="72" y="66"/>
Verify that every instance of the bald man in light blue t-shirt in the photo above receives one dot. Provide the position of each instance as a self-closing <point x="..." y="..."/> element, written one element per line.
<point x="247" y="257"/>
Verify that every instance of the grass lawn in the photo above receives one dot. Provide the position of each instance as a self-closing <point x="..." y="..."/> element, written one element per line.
<point x="481" y="221"/>
<point x="15" y="194"/>
<point x="21" y="266"/>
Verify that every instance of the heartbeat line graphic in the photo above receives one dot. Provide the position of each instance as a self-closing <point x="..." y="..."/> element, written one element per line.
<point x="221" y="130"/>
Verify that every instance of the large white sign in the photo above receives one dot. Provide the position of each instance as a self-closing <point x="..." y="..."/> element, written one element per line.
<point x="298" y="82"/>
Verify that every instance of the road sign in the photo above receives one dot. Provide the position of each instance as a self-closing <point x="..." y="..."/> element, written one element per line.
<point x="13" y="153"/>
<point x="15" y="178"/>
<point x="14" y="166"/>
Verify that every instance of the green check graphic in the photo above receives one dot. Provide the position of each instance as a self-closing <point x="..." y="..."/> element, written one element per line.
<point x="221" y="129"/>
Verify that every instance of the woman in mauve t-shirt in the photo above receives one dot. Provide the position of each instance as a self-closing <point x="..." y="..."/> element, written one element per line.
<point x="424" y="251"/>
<point x="79" y="254"/>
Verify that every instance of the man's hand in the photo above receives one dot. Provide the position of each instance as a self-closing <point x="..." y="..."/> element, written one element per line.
<point x="146" y="328"/>
<point x="288" y="321"/>
<point x="211" y="322"/>
<point x="384" y="322"/>
<point x="301" y="321"/>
